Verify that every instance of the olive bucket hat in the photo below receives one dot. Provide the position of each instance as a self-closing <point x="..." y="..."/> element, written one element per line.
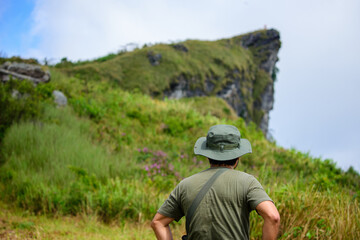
<point x="222" y="143"/>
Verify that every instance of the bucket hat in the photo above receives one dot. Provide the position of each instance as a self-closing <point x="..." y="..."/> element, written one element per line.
<point x="222" y="143"/>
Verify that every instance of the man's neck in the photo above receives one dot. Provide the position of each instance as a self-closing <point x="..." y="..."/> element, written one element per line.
<point x="221" y="165"/>
<point x="224" y="165"/>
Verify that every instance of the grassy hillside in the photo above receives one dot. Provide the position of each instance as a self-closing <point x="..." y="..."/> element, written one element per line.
<point x="131" y="70"/>
<point x="203" y="63"/>
<point x="115" y="155"/>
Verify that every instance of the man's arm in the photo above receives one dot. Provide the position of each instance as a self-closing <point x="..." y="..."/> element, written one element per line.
<point x="160" y="225"/>
<point x="271" y="217"/>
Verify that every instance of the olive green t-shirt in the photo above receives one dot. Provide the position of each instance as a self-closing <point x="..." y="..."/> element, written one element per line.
<point x="224" y="211"/>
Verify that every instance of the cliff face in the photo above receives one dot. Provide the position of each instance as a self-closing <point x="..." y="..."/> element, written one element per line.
<point x="250" y="92"/>
<point x="241" y="70"/>
<point x="265" y="47"/>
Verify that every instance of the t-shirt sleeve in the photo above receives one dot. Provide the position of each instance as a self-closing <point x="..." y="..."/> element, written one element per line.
<point x="172" y="205"/>
<point x="256" y="194"/>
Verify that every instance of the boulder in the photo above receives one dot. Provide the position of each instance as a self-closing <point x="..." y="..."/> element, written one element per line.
<point x="180" y="47"/>
<point x="154" y="59"/>
<point x="59" y="98"/>
<point x="27" y="71"/>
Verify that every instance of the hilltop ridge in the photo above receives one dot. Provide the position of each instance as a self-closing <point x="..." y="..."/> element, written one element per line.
<point x="241" y="70"/>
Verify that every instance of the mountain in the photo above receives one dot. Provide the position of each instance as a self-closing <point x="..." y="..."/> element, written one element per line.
<point x="241" y="70"/>
<point x="114" y="153"/>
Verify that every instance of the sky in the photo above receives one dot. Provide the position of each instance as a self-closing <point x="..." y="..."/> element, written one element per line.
<point x="316" y="107"/>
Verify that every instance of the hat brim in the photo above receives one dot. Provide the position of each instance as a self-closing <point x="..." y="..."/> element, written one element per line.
<point x="200" y="148"/>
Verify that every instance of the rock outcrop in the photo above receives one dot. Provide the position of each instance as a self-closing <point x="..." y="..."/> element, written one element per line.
<point x="250" y="92"/>
<point x="265" y="46"/>
<point x="154" y="58"/>
<point x="59" y="98"/>
<point x="180" y="47"/>
<point x="27" y="71"/>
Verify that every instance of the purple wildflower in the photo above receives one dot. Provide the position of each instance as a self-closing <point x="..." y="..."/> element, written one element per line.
<point x="160" y="154"/>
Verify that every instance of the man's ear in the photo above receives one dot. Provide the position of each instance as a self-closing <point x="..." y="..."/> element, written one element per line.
<point x="237" y="162"/>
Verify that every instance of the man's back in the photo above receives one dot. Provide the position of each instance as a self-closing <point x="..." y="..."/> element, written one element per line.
<point x="224" y="210"/>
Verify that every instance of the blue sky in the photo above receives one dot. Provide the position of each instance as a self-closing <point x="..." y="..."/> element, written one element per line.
<point x="15" y="22"/>
<point x="316" y="105"/>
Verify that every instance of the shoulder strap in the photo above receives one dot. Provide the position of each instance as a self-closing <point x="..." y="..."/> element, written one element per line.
<point x="201" y="195"/>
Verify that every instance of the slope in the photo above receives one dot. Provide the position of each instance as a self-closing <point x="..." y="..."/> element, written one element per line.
<point x="111" y="150"/>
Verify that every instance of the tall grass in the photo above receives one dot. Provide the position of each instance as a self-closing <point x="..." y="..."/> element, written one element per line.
<point x="311" y="214"/>
<point x="52" y="165"/>
<point x="49" y="147"/>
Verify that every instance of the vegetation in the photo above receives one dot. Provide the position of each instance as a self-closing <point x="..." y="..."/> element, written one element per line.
<point x="207" y="65"/>
<point x="20" y="100"/>
<point x="4" y="59"/>
<point x="113" y="156"/>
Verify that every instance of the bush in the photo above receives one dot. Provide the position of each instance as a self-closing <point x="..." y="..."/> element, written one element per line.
<point x="19" y="100"/>
<point x="158" y="169"/>
<point x="88" y="107"/>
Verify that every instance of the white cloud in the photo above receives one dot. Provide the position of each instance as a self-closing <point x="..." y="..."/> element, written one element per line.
<point x="85" y="29"/>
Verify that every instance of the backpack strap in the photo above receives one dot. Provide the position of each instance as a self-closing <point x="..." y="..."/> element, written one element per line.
<point x="201" y="195"/>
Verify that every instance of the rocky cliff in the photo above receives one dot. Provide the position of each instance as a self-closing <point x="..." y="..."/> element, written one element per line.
<point x="265" y="47"/>
<point x="239" y="89"/>
<point x="240" y="70"/>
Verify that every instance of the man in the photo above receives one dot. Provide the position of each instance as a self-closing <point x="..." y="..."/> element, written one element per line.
<point x="223" y="211"/>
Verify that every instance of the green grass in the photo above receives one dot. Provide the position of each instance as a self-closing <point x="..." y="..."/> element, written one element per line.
<point x="17" y="224"/>
<point x="133" y="70"/>
<point x="60" y="138"/>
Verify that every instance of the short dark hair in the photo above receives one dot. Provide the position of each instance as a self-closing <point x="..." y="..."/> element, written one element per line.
<point x="227" y="162"/>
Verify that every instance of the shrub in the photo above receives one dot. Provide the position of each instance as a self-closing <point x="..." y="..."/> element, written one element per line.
<point x="19" y="100"/>
<point x="88" y="107"/>
<point x="159" y="170"/>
